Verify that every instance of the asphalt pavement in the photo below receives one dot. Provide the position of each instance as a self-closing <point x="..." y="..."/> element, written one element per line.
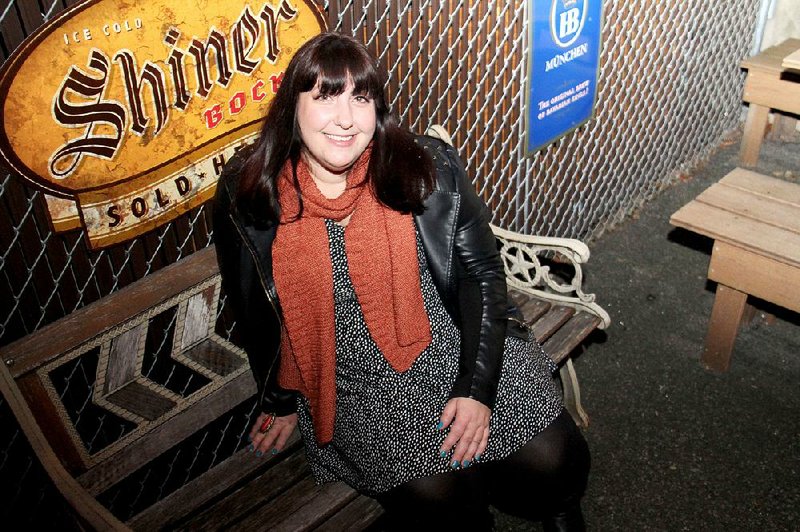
<point x="674" y="446"/>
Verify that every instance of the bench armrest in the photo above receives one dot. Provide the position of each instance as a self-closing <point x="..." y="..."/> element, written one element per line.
<point x="525" y="271"/>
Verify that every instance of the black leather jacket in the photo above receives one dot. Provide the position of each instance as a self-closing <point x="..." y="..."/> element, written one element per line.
<point x="462" y="257"/>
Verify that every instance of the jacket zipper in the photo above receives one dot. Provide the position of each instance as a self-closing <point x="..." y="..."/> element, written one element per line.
<point x="269" y="298"/>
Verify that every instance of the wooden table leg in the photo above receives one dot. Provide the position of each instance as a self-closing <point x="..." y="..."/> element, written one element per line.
<point x="784" y="127"/>
<point x="748" y="315"/>
<point x="754" y="128"/>
<point x="726" y="314"/>
<point x="751" y="315"/>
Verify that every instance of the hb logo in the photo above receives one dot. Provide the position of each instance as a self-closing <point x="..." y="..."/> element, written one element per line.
<point x="566" y="20"/>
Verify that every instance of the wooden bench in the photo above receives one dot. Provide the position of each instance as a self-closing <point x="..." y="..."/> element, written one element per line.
<point x="755" y="223"/>
<point x="770" y="84"/>
<point x="133" y="388"/>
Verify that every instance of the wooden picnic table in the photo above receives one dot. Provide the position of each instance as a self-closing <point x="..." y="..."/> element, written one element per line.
<point x="755" y="223"/>
<point x="772" y="83"/>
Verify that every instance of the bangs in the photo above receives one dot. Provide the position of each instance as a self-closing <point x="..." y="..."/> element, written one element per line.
<point x="334" y="65"/>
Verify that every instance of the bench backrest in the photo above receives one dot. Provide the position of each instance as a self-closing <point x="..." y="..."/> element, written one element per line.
<point x="117" y="383"/>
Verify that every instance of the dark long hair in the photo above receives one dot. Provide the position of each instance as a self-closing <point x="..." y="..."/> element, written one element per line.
<point x="400" y="172"/>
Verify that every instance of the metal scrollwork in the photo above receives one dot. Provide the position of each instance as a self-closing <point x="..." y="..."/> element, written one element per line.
<point x="522" y="258"/>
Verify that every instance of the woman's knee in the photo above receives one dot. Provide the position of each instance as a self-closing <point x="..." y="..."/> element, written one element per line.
<point x="548" y="472"/>
<point x="438" y="501"/>
<point x="560" y="452"/>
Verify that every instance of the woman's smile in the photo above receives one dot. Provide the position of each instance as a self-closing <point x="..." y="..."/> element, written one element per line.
<point x="340" y="139"/>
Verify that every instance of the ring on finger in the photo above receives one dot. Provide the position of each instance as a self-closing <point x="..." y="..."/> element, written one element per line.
<point x="267" y="424"/>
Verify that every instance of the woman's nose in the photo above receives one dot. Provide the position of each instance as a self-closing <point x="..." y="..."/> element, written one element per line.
<point x="344" y="115"/>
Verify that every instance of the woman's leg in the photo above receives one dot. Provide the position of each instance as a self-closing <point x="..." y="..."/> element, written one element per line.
<point x="545" y="479"/>
<point x="448" y="501"/>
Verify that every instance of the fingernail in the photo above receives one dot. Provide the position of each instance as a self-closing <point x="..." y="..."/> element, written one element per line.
<point x="439" y="425"/>
<point x="259" y="454"/>
<point x="274" y="451"/>
<point x="442" y="453"/>
<point x="454" y="464"/>
<point x="249" y="438"/>
<point x="477" y="457"/>
<point x="465" y="463"/>
<point x="251" y="448"/>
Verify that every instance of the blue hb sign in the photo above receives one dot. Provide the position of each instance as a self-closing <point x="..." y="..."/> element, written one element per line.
<point x="563" y="58"/>
<point x="566" y="21"/>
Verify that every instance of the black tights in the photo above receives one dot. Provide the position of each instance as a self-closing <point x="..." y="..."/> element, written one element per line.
<point x="542" y="481"/>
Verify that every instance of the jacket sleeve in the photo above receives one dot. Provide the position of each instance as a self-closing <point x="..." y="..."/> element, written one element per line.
<point x="258" y="335"/>
<point x="482" y="294"/>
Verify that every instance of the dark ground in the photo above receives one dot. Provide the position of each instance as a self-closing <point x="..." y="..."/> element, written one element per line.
<point x="675" y="447"/>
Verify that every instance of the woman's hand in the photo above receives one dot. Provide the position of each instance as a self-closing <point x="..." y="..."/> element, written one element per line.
<point x="275" y="438"/>
<point x="468" y="420"/>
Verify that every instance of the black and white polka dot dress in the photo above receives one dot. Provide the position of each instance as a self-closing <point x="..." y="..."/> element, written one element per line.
<point x="385" y="427"/>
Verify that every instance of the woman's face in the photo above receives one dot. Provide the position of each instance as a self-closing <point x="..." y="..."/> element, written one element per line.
<point x="335" y="130"/>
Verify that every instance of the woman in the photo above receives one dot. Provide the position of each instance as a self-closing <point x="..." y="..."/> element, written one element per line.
<point x="372" y="305"/>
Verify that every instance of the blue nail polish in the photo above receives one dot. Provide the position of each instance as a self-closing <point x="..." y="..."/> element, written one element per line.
<point x="442" y="453"/>
<point x="259" y="454"/>
<point x="454" y="464"/>
<point x="250" y="448"/>
<point x="439" y="425"/>
<point x="249" y="438"/>
<point x="477" y="457"/>
<point x="465" y="463"/>
<point x="274" y="451"/>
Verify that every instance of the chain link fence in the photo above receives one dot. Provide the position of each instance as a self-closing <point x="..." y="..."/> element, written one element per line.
<point x="669" y="92"/>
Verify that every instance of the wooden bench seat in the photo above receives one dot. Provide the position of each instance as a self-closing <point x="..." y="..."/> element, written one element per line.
<point x="284" y="497"/>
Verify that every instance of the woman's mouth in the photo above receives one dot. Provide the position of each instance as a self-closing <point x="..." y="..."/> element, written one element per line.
<point x="339" y="138"/>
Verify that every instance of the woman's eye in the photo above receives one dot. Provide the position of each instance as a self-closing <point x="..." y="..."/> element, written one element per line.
<point x="361" y="98"/>
<point x="322" y="97"/>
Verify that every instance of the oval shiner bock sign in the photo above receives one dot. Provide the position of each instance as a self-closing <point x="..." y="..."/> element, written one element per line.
<point x="125" y="112"/>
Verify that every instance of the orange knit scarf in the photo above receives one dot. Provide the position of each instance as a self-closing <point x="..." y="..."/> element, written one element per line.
<point x="382" y="260"/>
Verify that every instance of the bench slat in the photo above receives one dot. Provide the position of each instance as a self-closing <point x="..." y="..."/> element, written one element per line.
<point x="570" y="335"/>
<point x="141" y="400"/>
<point x="776" y="189"/>
<point x="214" y="357"/>
<point x="327" y="501"/>
<point x="319" y="501"/>
<point x="34" y="350"/>
<point x="359" y="514"/>
<point x="122" y="359"/>
<point x="756" y="207"/>
<point x="771" y="59"/>
<point x="250" y="497"/>
<point x="534" y="309"/>
<point x="207" y="487"/>
<point x="545" y="326"/>
<point x="518" y="297"/>
<point x="779" y="244"/>
<point x="266" y="516"/>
